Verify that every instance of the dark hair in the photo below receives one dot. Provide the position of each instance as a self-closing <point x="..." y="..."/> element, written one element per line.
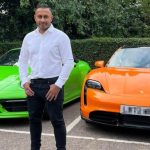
<point x="42" y="5"/>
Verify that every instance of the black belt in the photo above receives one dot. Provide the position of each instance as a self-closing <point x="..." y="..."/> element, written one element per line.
<point x="44" y="81"/>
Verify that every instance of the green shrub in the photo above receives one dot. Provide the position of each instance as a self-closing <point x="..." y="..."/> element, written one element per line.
<point x="8" y="45"/>
<point x="93" y="49"/>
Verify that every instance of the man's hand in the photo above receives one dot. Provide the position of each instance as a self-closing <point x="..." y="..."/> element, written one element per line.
<point x="27" y="89"/>
<point x="52" y="92"/>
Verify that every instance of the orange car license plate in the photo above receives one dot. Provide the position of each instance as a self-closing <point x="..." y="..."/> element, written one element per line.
<point x="135" y="110"/>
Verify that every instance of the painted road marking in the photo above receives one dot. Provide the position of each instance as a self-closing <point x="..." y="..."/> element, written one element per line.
<point x="73" y="124"/>
<point x="123" y="141"/>
<point x="82" y="137"/>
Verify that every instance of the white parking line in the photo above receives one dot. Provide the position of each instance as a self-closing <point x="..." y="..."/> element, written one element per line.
<point x="14" y="131"/>
<point x="123" y="141"/>
<point x="45" y="134"/>
<point x="82" y="137"/>
<point x="73" y="124"/>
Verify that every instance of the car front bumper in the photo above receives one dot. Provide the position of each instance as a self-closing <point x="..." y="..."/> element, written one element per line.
<point x="100" y="107"/>
<point x="117" y="119"/>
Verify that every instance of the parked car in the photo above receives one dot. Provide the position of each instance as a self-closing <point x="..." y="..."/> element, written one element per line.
<point x="118" y="93"/>
<point x="13" y="102"/>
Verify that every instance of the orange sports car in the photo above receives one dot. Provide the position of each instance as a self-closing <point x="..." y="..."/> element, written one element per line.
<point x="118" y="93"/>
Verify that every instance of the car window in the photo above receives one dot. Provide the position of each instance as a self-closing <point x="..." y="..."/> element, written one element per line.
<point x="131" y="57"/>
<point x="9" y="58"/>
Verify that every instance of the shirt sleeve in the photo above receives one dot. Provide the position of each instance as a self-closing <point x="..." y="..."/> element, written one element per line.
<point x="23" y="62"/>
<point x="67" y="60"/>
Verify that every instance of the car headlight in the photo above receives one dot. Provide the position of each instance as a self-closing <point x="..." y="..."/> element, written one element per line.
<point x="93" y="84"/>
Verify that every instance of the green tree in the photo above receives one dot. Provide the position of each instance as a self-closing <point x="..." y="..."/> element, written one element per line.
<point x="79" y="18"/>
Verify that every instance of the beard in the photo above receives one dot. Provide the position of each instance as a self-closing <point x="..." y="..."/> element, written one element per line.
<point x="43" y="27"/>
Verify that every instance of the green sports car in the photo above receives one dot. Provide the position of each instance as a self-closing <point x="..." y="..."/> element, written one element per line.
<point x="13" y="102"/>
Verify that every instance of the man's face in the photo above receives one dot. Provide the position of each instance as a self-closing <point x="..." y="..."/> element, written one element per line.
<point x="43" y="18"/>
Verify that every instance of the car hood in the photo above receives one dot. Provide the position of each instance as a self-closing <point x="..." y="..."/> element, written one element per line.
<point x="10" y="83"/>
<point x="124" y="81"/>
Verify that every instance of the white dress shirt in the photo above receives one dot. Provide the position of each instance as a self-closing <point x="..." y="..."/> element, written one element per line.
<point x="48" y="55"/>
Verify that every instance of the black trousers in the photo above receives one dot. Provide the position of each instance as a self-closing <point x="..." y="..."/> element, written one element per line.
<point x="36" y="106"/>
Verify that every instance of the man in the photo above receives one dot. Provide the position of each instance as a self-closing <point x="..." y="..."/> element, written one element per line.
<point x="47" y="51"/>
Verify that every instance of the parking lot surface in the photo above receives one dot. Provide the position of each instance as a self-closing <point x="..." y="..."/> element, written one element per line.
<point x="14" y="134"/>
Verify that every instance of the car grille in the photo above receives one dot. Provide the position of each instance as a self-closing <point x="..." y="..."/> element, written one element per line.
<point x="104" y="117"/>
<point x="118" y="119"/>
<point x="15" y="105"/>
<point x="136" y="120"/>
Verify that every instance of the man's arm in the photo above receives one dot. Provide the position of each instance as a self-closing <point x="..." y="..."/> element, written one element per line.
<point x="67" y="60"/>
<point x="68" y="63"/>
<point x="23" y="63"/>
<point x="23" y="68"/>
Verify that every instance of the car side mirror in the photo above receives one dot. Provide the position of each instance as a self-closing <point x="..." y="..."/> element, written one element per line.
<point x="99" y="64"/>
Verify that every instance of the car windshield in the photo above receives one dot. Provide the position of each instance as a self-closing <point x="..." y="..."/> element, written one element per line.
<point x="9" y="58"/>
<point x="131" y="57"/>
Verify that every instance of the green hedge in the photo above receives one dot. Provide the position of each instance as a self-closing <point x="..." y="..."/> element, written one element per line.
<point x="93" y="49"/>
<point x="8" y="45"/>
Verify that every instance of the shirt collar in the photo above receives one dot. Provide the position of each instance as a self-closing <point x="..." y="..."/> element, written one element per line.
<point x="50" y="29"/>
